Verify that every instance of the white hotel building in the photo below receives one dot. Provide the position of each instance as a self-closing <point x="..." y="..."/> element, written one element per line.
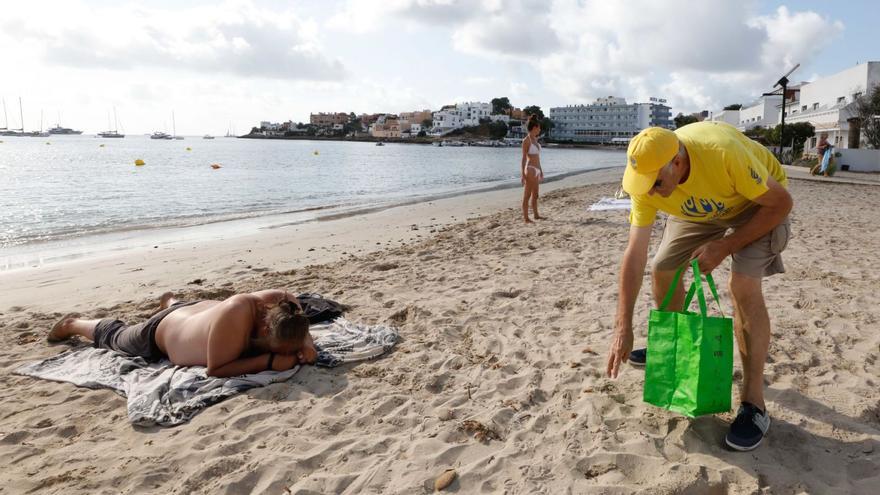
<point x="467" y="114"/>
<point x="608" y="120"/>
<point x="826" y="102"/>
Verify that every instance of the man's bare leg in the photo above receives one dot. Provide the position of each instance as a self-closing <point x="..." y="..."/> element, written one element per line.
<point x="69" y="326"/>
<point x="167" y="300"/>
<point x="751" y="323"/>
<point x="661" y="280"/>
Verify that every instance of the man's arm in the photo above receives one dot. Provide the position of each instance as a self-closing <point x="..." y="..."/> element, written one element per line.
<point x="635" y="258"/>
<point x="228" y="338"/>
<point x="775" y="205"/>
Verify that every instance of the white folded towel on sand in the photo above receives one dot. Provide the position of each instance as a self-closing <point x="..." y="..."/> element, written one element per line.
<point x="610" y="204"/>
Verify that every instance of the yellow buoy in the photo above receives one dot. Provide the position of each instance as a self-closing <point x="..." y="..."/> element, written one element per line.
<point x="215" y="166"/>
<point x="316" y="152"/>
<point x="47" y="142"/>
<point x="139" y="162"/>
<point x="100" y="146"/>
<point x="188" y="148"/>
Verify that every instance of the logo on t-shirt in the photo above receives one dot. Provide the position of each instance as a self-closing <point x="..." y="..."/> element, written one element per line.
<point x="702" y="208"/>
<point x="755" y="175"/>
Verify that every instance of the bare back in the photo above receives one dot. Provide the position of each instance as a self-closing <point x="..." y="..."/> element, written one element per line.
<point x="183" y="335"/>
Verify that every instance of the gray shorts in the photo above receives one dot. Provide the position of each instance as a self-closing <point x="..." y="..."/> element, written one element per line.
<point x="761" y="258"/>
<point x="134" y="340"/>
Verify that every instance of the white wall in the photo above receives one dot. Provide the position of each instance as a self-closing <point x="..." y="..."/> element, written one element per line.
<point x="765" y="114"/>
<point x="729" y="116"/>
<point x="859" y="160"/>
<point x="826" y="91"/>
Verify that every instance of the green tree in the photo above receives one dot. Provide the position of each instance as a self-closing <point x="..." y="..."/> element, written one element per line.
<point x="758" y="133"/>
<point x="866" y="109"/>
<point x="501" y="106"/>
<point x="682" y="120"/>
<point x="735" y="106"/>
<point x="427" y="124"/>
<point x="795" y="136"/>
<point x="533" y="110"/>
<point x="497" y="130"/>
<point x="547" y="126"/>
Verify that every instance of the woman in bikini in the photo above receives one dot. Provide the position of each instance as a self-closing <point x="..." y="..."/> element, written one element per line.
<point x="532" y="175"/>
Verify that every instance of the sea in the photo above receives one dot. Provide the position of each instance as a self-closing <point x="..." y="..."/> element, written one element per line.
<point x="64" y="196"/>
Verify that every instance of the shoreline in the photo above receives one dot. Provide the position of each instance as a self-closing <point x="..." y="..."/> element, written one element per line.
<point x="125" y="237"/>
<point x="175" y="258"/>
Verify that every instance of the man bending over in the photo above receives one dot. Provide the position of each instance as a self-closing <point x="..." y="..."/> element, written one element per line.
<point x="246" y="333"/>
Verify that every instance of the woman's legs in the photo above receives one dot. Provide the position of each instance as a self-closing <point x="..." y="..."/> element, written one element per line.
<point x="527" y="193"/>
<point x="535" y="191"/>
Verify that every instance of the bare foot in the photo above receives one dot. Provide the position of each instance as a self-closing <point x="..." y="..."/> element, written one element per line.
<point x="166" y="300"/>
<point x="539" y="217"/>
<point x="526" y="220"/>
<point x="61" y="330"/>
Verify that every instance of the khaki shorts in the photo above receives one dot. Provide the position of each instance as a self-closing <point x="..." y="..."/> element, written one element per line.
<point x="761" y="258"/>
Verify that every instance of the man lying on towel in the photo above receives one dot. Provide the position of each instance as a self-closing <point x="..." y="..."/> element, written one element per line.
<point x="246" y="333"/>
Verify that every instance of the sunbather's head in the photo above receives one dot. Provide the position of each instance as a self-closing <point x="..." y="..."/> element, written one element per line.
<point x="286" y="328"/>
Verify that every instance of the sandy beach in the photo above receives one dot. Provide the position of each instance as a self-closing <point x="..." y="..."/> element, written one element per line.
<point x="500" y="373"/>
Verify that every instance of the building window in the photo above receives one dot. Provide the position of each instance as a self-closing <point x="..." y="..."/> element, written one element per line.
<point x="804" y="108"/>
<point x="815" y="106"/>
<point x="841" y="99"/>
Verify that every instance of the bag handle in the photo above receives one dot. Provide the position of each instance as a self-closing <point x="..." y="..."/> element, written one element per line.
<point x="695" y="288"/>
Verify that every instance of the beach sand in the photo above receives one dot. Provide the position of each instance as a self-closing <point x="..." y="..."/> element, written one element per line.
<point x="500" y="373"/>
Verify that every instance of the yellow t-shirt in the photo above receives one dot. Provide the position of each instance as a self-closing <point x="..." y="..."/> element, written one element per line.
<point x="728" y="170"/>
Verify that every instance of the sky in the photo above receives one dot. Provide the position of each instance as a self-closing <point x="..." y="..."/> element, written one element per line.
<point x="221" y="65"/>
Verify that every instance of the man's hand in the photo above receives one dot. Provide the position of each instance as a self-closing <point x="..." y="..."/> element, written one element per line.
<point x="711" y="254"/>
<point x="620" y="349"/>
<point x="308" y="354"/>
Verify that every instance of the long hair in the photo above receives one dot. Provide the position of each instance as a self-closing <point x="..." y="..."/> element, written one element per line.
<point x="286" y="323"/>
<point x="533" y="122"/>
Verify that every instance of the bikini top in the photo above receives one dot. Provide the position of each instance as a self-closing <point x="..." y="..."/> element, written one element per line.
<point x="534" y="147"/>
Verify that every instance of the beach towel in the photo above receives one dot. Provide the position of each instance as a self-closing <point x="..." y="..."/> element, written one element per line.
<point x="610" y="204"/>
<point x="167" y="395"/>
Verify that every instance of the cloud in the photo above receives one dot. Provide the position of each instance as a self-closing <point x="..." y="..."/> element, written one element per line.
<point x="696" y="54"/>
<point x="234" y="38"/>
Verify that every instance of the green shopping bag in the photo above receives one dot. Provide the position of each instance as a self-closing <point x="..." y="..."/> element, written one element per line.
<point x="689" y="366"/>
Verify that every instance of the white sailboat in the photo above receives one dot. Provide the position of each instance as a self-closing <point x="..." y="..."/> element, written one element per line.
<point x="4" y="131"/>
<point x="115" y="132"/>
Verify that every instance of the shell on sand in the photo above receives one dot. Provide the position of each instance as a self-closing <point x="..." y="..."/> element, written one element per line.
<point x="445" y="479"/>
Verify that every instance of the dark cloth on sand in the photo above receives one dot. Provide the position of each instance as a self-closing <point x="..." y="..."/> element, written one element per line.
<point x="134" y="340"/>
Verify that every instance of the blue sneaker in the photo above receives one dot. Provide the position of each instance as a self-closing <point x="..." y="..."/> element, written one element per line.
<point x="638" y="357"/>
<point x="748" y="429"/>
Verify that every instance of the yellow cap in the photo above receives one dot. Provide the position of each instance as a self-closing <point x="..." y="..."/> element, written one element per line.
<point x="647" y="153"/>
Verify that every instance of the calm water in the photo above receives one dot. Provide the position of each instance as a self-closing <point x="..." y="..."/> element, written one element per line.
<point x="73" y="188"/>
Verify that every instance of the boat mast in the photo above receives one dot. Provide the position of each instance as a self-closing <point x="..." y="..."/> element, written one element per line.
<point x="20" y="114"/>
<point x="5" y="119"/>
<point x="173" y="126"/>
<point x="115" y="121"/>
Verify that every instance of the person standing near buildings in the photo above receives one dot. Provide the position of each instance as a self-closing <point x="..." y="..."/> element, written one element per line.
<point x="709" y="178"/>
<point x="530" y="168"/>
